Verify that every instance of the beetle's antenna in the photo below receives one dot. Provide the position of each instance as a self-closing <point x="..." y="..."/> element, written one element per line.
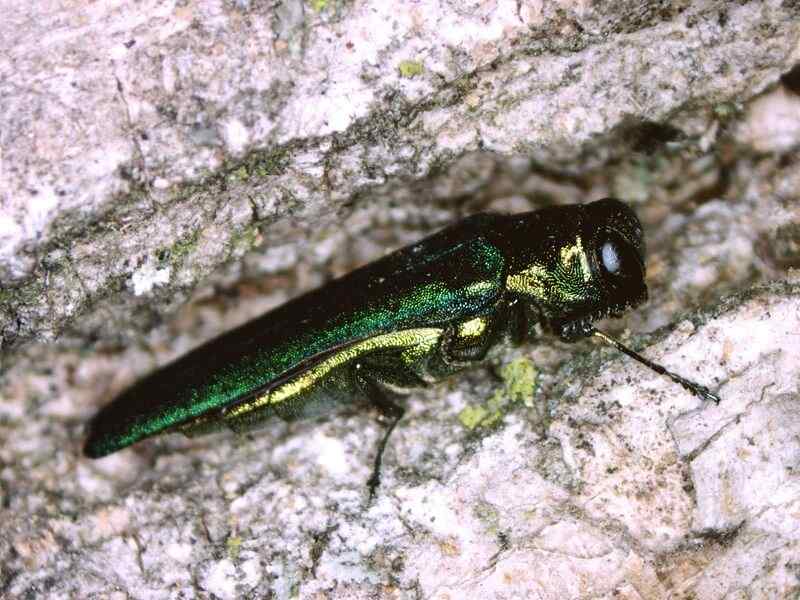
<point x="698" y="390"/>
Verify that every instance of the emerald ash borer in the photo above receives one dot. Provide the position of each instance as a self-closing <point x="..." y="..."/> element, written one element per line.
<point x="405" y="321"/>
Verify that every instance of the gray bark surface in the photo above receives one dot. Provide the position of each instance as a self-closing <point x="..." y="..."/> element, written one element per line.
<point x="169" y="170"/>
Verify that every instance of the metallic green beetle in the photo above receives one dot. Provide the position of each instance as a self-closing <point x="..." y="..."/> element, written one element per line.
<point x="405" y="321"/>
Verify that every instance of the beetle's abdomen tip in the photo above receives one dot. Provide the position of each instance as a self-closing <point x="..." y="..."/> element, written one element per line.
<point x="100" y="443"/>
<point x="93" y="448"/>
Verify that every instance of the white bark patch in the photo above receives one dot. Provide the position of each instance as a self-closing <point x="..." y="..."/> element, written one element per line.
<point x="146" y="277"/>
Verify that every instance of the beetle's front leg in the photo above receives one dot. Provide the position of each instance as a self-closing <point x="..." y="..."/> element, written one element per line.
<point x="522" y="320"/>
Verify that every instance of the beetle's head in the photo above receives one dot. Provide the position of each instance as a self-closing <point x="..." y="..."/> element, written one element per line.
<point x="588" y="266"/>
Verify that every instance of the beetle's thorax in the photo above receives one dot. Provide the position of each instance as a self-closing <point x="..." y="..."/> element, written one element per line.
<point x="559" y="275"/>
<point x="559" y="282"/>
<point x="577" y="266"/>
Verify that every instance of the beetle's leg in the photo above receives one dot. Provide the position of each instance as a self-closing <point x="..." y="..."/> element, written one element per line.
<point x="518" y="322"/>
<point x="391" y="413"/>
<point x="523" y="317"/>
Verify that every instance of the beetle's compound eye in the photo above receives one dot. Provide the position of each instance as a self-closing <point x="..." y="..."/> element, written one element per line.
<point x="619" y="258"/>
<point x="610" y="256"/>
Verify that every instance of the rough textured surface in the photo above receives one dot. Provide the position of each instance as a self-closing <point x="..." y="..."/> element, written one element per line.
<point x="145" y="144"/>
<point x="237" y="153"/>
<point x="637" y="489"/>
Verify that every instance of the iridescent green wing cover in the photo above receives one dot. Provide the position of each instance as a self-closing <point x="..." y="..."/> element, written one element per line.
<point x="451" y="275"/>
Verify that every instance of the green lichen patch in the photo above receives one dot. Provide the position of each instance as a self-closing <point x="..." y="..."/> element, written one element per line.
<point x="23" y="295"/>
<point x="176" y="254"/>
<point x="234" y="546"/>
<point x="472" y="417"/>
<point x="520" y="383"/>
<point x="264" y="164"/>
<point x="259" y="164"/>
<point x="245" y="239"/>
<point x="238" y="175"/>
<point x="411" y="68"/>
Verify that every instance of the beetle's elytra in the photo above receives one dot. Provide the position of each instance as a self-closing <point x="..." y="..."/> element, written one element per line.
<point x="405" y="321"/>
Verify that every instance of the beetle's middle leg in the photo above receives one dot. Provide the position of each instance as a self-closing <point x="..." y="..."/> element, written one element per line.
<point x="390" y="411"/>
<point x="383" y="375"/>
